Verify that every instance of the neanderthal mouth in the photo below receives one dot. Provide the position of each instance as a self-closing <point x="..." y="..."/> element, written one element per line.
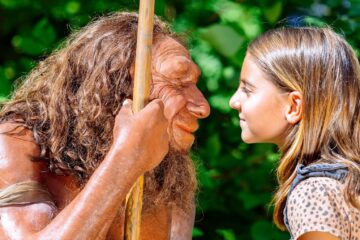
<point x="188" y="130"/>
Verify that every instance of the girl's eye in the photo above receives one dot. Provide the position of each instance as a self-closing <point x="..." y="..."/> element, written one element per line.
<point x="245" y="90"/>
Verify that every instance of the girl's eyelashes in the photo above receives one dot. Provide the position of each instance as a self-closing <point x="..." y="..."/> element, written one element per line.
<point x="245" y="90"/>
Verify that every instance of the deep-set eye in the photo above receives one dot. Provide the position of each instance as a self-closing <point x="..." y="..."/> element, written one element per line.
<point x="175" y="68"/>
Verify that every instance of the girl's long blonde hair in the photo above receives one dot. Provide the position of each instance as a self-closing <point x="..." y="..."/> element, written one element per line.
<point x="323" y="67"/>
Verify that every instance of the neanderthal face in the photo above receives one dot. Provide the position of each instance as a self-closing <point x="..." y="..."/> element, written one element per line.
<point x="174" y="78"/>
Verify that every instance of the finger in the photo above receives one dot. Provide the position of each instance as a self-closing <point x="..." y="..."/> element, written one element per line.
<point x="157" y="103"/>
<point x="156" y="108"/>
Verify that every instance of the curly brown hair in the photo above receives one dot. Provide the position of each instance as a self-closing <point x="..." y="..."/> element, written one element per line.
<point x="70" y="99"/>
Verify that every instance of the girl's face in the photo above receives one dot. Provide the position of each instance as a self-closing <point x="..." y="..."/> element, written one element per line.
<point x="262" y="106"/>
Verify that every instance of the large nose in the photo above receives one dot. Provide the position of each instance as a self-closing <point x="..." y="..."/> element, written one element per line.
<point x="197" y="105"/>
<point x="235" y="102"/>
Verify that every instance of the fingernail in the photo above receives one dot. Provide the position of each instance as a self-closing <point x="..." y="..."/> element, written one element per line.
<point x="127" y="103"/>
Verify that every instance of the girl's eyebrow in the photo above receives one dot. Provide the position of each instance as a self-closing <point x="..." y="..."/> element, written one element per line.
<point x="246" y="82"/>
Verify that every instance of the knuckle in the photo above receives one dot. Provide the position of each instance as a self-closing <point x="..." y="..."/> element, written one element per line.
<point x="158" y="103"/>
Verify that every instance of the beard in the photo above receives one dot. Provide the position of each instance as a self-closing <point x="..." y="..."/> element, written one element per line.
<point x="173" y="181"/>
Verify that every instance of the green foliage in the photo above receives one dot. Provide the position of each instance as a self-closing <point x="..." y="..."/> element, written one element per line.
<point x="236" y="180"/>
<point x="227" y="234"/>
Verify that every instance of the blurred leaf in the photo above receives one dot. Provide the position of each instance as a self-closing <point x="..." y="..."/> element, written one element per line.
<point x="223" y="38"/>
<point x="265" y="230"/>
<point x="28" y="45"/>
<point x="220" y="102"/>
<point x="273" y="12"/>
<point x="72" y="7"/>
<point x="354" y="10"/>
<point x="251" y="200"/>
<point x="229" y="73"/>
<point x="245" y="17"/>
<point x="5" y="84"/>
<point x="227" y="234"/>
<point x="3" y="99"/>
<point x="273" y="157"/>
<point x="43" y="35"/>
<point x="197" y="232"/>
<point x="213" y="146"/>
<point x="313" y="21"/>
<point x="26" y="63"/>
<point x="209" y="64"/>
<point x="44" y="32"/>
<point x="206" y="177"/>
<point x="14" y="3"/>
<point x="159" y="7"/>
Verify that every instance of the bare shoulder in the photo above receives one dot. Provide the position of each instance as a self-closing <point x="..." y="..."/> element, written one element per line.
<point x="17" y="148"/>
<point x="317" y="235"/>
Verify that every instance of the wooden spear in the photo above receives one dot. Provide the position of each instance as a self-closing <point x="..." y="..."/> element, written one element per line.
<point x="142" y="80"/>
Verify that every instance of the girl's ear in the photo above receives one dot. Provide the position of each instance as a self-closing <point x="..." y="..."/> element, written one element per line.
<point x="295" y="104"/>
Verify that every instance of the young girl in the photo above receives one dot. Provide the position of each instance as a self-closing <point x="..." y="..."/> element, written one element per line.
<point x="300" y="89"/>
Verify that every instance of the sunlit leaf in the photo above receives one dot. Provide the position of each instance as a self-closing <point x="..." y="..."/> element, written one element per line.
<point x="227" y="234"/>
<point x="72" y="7"/>
<point x="313" y="21"/>
<point x="209" y="64"/>
<point x="223" y="38"/>
<point x="220" y="102"/>
<point x="197" y="232"/>
<point x="247" y="18"/>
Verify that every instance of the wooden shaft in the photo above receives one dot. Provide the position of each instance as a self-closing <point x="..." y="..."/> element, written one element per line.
<point x="142" y="81"/>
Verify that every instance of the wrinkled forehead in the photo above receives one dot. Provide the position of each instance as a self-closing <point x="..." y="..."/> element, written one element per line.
<point x="168" y="46"/>
<point x="172" y="59"/>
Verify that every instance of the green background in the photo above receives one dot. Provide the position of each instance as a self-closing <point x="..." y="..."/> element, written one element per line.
<point x="236" y="180"/>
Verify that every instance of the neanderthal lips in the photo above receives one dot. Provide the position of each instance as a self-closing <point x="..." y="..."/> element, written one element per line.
<point x="188" y="129"/>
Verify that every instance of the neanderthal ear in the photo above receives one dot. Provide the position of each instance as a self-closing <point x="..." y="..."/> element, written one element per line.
<point x="132" y="71"/>
<point x="295" y="106"/>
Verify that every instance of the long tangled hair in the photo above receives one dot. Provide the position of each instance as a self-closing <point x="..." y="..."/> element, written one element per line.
<point x="69" y="101"/>
<point x="323" y="67"/>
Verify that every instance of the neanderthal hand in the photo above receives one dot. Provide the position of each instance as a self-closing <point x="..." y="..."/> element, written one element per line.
<point x="143" y="134"/>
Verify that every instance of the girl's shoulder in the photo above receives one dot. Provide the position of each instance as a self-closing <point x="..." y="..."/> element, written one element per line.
<point x="318" y="204"/>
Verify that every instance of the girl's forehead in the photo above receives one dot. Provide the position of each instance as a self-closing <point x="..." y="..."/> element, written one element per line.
<point x="250" y="72"/>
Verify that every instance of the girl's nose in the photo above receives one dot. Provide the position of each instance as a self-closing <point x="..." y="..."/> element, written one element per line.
<point x="235" y="102"/>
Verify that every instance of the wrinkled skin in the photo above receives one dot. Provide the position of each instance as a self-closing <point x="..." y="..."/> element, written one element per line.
<point x="97" y="211"/>
<point x="174" y="82"/>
